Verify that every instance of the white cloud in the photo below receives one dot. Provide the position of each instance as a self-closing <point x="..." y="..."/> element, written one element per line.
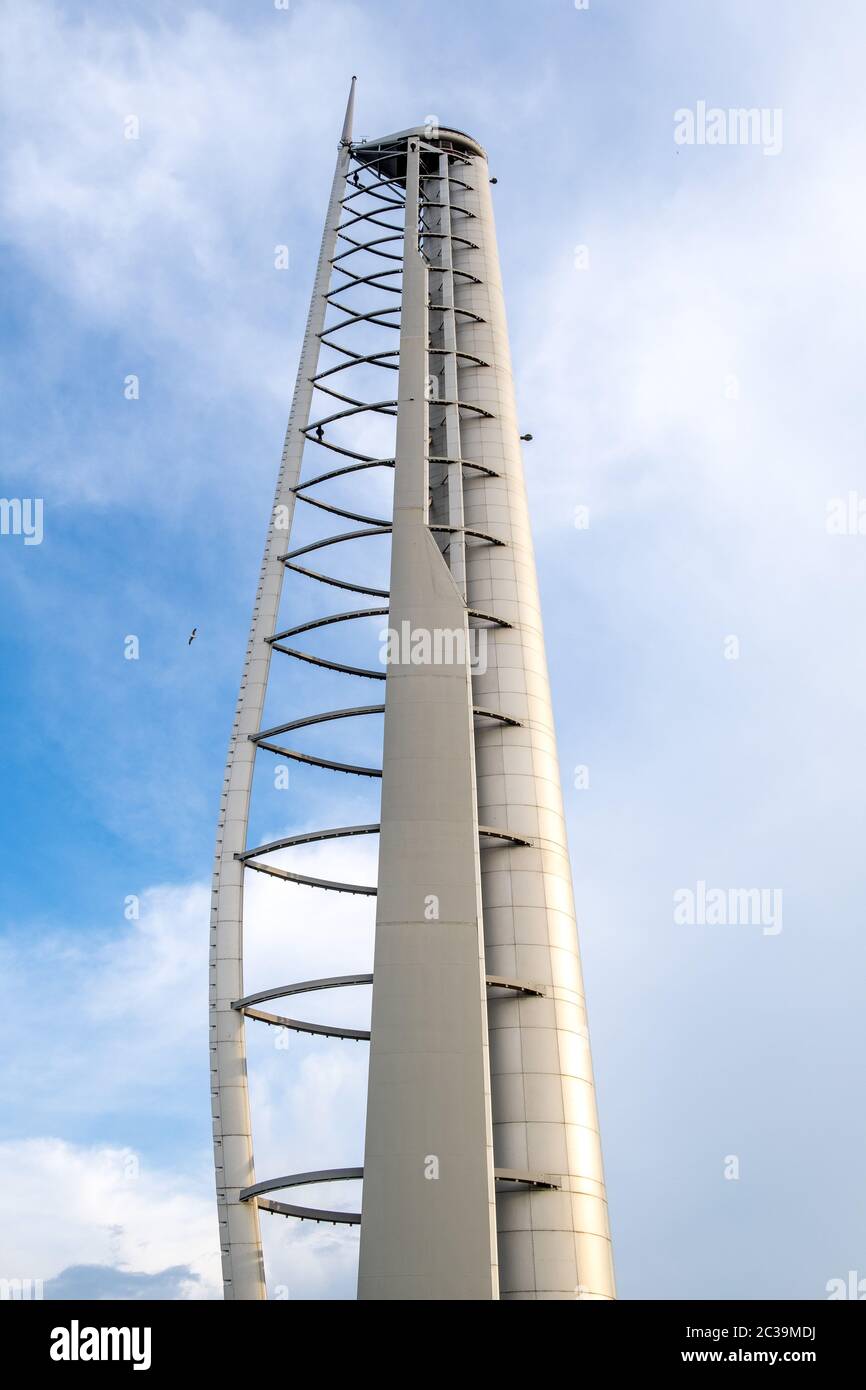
<point x="696" y="388"/>
<point x="122" y="1010"/>
<point x="65" y="1205"/>
<point x="96" y="211"/>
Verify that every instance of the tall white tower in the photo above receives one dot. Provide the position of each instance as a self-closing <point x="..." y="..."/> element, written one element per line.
<point x="482" y="1173"/>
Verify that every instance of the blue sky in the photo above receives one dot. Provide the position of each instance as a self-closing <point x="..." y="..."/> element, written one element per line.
<point x="697" y="387"/>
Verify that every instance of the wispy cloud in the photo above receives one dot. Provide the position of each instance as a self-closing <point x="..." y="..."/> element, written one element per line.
<point x="67" y="1205"/>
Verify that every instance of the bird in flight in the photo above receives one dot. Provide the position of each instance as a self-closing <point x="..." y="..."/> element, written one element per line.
<point x="192" y="637"/>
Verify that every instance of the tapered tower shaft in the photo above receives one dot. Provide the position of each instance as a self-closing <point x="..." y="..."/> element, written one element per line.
<point x="428" y="1227"/>
<point x="482" y="1165"/>
<point x="555" y="1242"/>
<point x="551" y="1221"/>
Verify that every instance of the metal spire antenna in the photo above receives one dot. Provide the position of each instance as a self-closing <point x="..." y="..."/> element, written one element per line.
<point x="482" y="1175"/>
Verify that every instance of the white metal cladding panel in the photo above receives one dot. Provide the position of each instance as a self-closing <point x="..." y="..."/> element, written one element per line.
<point x="423" y="1237"/>
<point x="552" y="1244"/>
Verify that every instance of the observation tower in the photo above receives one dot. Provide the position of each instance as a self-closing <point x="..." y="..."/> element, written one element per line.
<point x="482" y="1170"/>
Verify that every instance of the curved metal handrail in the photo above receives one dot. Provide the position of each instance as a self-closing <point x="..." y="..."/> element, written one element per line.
<point x="465" y="405"/>
<point x="345" y="832"/>
<point x="500" y="718"/>
<point x="468" y="531"/>
<point x="466" y="463"/>
<point x="331" y="1030"/>
<point x="341" y="511"/>
<point x="301" y="1180"/>
<point x="337" y="583"/>
<point x="341" y="472"/>
<point x="427" y="235"/>
<point x="325" y="541"/>
<point x="322" y="718"/>
<point x="463" y="274"/>
<point x="358" y="359"/>
<point x="526" y="1178"/>
<point x="371" y="216"/>
<point x="488" y="617"/>
<point x="490" y="832"/>
<point x="516" y="1178"/>
<point x="350" y="400"/>
<point x="382" y="407"/>
<point x="370" y="189"/>
<point x="464" y="212"/>
<point x="263" y="996"/>
<point x="325" y="715"/>
<point x="297" y="1025"/>
<point x="517" y="986"/>
<point x="250" y="861"/>
<point x="373" y="316"/>
<point x="317" y="1214"/>
<point x="310" y="837"/>
<point x="365" y="672"/>
<point x="455" y="309"/>
<point x="456" y="352"/>
<point x="339" y="449"/>
<point x="302" y="987"/>
<point x="365" y="164"/>
<point x="331" y="885"/>
<point x="374" y="279"/>
<point x="323" y="661"/>
<point x="310" y="758"/>
<point x="516" y="1175"/>
<point x="356" y="246"/>
<point x="326" y="621"/>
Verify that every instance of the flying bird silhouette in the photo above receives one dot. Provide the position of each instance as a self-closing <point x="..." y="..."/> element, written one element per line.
<point x="192" y="637"/>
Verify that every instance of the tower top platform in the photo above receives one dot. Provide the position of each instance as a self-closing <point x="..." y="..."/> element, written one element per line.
<point x="388" y="152"/>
